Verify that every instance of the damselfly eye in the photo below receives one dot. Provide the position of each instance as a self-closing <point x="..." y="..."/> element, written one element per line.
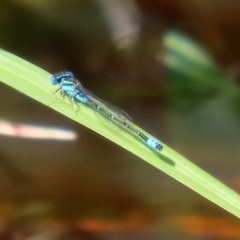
<point x="54" y="80"/>
<point x="68" y="74"/>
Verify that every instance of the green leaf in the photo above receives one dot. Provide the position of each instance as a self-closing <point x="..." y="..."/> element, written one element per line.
<point x="35" y="83"/>
<point x="193" y="76"/>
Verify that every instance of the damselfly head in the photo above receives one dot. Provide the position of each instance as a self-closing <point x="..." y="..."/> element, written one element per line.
<point x="57" y="78"/>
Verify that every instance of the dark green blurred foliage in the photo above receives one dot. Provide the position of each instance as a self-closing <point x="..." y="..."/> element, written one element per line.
<point x="193" y="77"/>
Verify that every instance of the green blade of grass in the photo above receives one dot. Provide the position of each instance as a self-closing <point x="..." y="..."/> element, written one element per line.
<point x="35" y="83"/>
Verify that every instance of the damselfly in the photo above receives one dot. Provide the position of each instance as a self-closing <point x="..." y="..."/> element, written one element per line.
<point x="71" y="87"/>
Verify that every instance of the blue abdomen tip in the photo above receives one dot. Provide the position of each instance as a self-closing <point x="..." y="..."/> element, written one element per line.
<point x="155" y="144"/>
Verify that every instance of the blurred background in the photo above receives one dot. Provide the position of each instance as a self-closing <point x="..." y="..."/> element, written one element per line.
<point x="173" y="66"/>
